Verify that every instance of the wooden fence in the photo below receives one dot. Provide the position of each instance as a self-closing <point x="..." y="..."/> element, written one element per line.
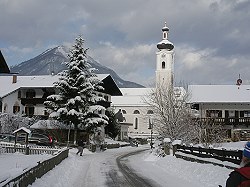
<point x="38" y="171"/>
<point x="219" y="154"/>
<point x="31" y="149"/>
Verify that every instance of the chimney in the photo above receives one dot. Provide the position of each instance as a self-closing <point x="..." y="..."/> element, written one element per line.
<point x="14" y="79"/>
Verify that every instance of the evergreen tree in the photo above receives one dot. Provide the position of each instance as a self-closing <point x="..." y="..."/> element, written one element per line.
<point x="77" y="98"/>
<point x="113" y="127"/>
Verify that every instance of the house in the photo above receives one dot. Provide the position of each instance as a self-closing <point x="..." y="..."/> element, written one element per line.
<point x="26" y="94"/>
<point x="228" y="105"/>
<point x="3" y="65"/>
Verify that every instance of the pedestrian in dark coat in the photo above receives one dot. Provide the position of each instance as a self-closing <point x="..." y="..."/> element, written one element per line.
<point x="80" y="147"/>
<point x="241" y="177"/>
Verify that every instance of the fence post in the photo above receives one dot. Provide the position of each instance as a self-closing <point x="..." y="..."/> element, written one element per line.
<point x="167" y="145"/>
<point x="27" y="150"/>
<point x="175" y="144"/>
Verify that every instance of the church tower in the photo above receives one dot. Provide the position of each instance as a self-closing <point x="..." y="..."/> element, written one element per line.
<point x="165" y="60"/>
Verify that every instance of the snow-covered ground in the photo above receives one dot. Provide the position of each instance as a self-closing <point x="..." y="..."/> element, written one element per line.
<point x="90" y="169"/>
<point x="14" y="164"/>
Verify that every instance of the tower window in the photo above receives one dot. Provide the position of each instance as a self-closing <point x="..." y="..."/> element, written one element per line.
<point x="163" y="65"/>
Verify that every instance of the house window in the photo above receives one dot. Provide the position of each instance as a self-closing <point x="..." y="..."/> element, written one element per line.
<point x="163" y="65"/>
<point x="124" y="111"/>
<point x="29" y="110"/>
<point x="231" y="113"/>
<point x="136" y="123"/>
<point x="16" y="109"/>
<point x="5" y="108"/>
<point x="30" y="93"/>
<point x="246" y="114"/>
<point x="19" y="94"/>
<point x="136" y="112"/>
<point x="214" y="113"/>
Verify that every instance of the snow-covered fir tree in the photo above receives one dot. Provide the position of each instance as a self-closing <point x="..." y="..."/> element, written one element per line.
<point x="77" y="98"/>
<point x="113" y="127"/>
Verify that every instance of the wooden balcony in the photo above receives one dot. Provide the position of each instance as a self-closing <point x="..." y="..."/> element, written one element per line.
<point x="228" y="121"/>
<point x="32" y="101"/>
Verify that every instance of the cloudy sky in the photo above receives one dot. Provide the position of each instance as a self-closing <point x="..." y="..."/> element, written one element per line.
<point x="211" y="37"/>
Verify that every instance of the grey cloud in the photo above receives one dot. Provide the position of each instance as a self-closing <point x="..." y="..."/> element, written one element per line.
<point x="220" y="27"/>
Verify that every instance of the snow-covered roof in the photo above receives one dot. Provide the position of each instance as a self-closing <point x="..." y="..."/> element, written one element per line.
<point x="22" y="129"/>
<point x="25" y="81"/>
<point x="131" y="97"/>
<point x="219" y="93"/>
<point x="36" y="81"/>
<point x="135" y="91"/>
<point x="136" y="96"/>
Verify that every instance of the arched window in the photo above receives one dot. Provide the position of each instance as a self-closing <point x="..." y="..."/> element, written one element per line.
<point x="136" y="112"/>
<point x="136" y="123"/>
<point x="30" y="93"/>
<point x="150" y="112"/>
<point x="124" y="111"/>
<point x="163" y="65"/>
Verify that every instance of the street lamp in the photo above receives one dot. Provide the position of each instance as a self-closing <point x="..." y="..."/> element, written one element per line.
<point x="151" y="132"/>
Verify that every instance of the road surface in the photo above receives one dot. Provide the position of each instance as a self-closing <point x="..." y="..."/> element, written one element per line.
<point x="129" y="177"/>
<point x="109" y="168"/>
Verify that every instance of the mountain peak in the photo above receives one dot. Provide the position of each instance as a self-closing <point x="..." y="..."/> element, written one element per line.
<point x="51" y="61"/>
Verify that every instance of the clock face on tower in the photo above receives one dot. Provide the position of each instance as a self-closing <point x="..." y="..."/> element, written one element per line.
<point x="163" y="55"/>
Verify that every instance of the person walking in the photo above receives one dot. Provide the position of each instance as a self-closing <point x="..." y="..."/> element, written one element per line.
<point x="241" y="177"/>
<point x="80" y="147"/>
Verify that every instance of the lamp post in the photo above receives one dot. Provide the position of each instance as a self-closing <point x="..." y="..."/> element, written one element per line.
<point x="151" y="132"/>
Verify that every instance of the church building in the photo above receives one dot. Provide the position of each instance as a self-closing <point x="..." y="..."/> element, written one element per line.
<point x="135" y="111"/>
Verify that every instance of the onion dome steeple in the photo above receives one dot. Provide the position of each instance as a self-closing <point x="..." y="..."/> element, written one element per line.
<point x="165" y="43"/>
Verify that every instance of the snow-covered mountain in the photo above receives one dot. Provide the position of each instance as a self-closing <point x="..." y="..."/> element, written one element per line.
<point x="51" y="61"/>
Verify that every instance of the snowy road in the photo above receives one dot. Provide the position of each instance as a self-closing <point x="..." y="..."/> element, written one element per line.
<point x="120" y="168"/>
<point x="132" y="178"/>
<point x="94" y="169"/>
